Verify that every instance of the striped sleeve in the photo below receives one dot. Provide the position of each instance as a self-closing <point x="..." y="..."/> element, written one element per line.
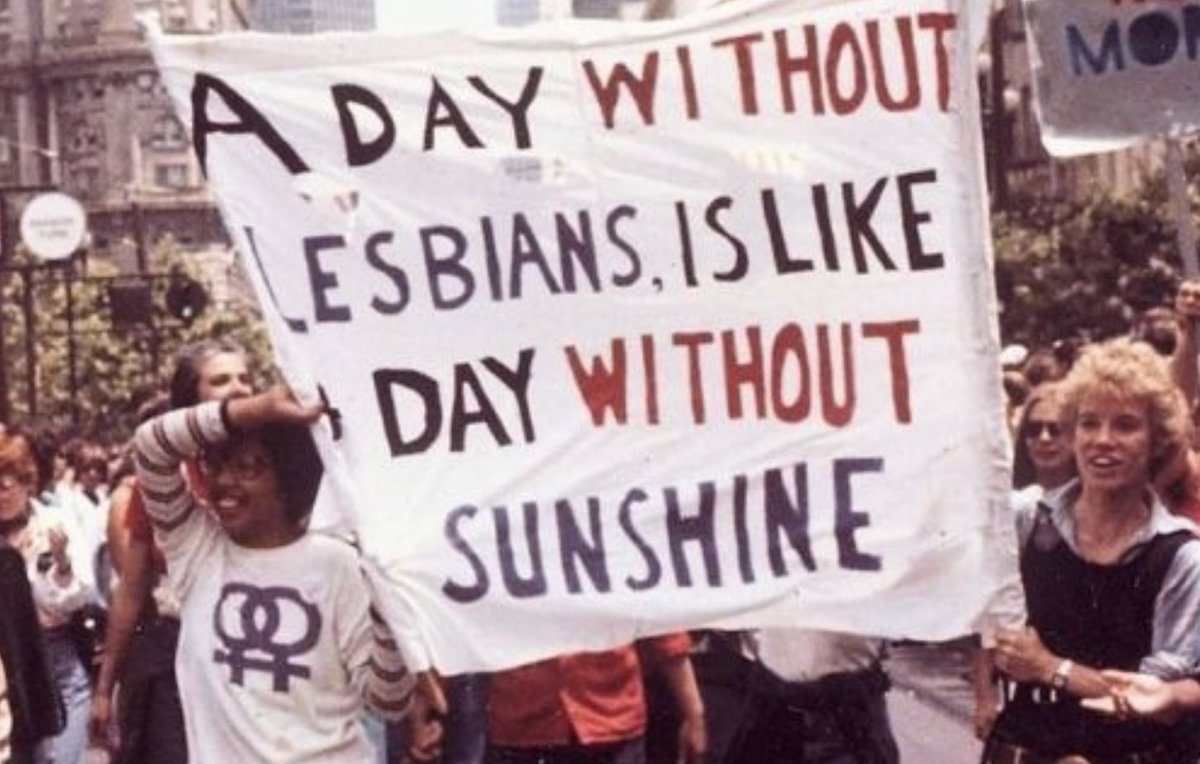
<point x="160" y="445"/>
<point x="5" y="718"/>
<point x="387" y="684"/>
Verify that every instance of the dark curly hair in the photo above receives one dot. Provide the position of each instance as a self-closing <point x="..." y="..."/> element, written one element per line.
<point x="294" y="459"/>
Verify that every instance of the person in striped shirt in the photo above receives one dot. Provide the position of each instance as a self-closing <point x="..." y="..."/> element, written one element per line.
<point x="279" y="646"/>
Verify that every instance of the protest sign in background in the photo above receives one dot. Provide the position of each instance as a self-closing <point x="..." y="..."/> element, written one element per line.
<point x="1109" y="73"/>
<point x="633" y="328"/>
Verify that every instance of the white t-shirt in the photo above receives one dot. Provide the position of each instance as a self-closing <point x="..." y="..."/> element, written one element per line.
<point x="277" y="647"/>
<point x="266" y="635"/>
<point x="56" y="599"/>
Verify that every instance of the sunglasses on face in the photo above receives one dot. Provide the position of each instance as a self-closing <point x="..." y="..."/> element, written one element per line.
<point x="1033" y="430"/>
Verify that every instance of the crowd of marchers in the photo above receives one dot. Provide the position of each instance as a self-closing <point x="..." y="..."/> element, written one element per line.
<point x="166" y="601"/>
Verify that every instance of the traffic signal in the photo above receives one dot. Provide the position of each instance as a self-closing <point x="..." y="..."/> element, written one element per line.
<point x="186" y="298"/>
<point x="130" y="303"/>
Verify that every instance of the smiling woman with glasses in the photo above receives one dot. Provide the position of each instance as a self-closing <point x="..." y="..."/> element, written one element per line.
<point x="279" y="647"/>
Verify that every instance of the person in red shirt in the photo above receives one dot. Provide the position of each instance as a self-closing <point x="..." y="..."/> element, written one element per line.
<point x="591" y="707"/>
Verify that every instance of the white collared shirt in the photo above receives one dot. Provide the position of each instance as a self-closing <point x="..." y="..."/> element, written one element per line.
<point x="802" y="655"/>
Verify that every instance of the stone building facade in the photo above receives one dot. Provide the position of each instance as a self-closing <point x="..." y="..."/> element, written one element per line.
<point x="82" y="109"/>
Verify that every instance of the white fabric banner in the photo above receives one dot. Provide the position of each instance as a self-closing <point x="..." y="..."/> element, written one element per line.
<point x="633" y="328"/>
<point x="1108" y="74"/>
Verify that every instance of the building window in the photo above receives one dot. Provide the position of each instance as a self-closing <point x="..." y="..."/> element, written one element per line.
<point x="168" y="133"/>
<point x="515" y="13"/>
<point x="85" y="138"/>
<point x="85" y="181"/>
<point x="171" y="175"/>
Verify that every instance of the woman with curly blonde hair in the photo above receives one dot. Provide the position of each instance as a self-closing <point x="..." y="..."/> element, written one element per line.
<point x="1111" y="579"/>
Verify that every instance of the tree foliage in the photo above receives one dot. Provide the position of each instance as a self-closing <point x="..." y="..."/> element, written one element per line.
<point x="117" y="366"/>
<point x="1084" y="270"/>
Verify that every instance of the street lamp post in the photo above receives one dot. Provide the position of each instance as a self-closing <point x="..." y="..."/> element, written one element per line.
<point x="1000" y="134"/>
<point x="25" y="271"/>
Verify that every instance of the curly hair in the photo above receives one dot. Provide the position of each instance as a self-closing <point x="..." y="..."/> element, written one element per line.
<point x="1128" y="370"/>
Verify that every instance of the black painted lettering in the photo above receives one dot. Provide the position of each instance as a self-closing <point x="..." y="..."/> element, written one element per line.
<point x="478" y="588"/>
<point x="425" y="389"/>
<point x="442" y="111"/>
<point x="518" y="111"/>
<point x="629" y="524"/>
<point x="447" y="266"/>
<point x="786" y="514"/>
<point x="533" y="584"/>
<point x="848" y="520"/>
<point x="483" y="412"/>
<point x="322" y="281"/>
<point x="248" y="120"/>
<point x="358" y="151"/>
<point x="517" y="381"/>
<point x="698" y="529"/>
<point x="576" y="550"/>
<point x="394" y="274"/>
<point x="913" y="219"/>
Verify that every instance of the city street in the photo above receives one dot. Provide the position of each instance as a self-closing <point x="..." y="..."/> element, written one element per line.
<point x="927" y="734"/>
<point x="930" y="703"/>
<point x="522" y="339"/>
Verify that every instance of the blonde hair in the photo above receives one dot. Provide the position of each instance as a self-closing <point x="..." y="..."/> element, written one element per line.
<point x="1130" y="371"/>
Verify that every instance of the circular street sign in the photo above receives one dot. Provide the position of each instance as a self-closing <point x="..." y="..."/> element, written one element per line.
<point x="53" y="225"/>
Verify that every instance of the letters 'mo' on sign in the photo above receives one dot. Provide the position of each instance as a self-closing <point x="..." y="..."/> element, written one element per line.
<point x="634" y="328"/>
<point x="1109" y="73"/>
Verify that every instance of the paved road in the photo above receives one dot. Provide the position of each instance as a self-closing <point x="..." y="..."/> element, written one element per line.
<point x="930" y="703"/>
<point x="927" y="734"/>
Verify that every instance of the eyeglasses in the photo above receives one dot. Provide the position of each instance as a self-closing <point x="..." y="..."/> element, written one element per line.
<point x="238" y="467"/>
<point x="10" y="477"/>
<point x="1033" y="430"/>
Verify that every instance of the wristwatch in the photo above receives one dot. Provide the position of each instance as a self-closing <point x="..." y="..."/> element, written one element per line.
<point x="1058" y="680"/>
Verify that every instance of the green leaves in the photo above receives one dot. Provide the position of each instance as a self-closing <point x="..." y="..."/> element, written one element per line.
<point x="1083" y="269"/>
<point x="116" y="367"/>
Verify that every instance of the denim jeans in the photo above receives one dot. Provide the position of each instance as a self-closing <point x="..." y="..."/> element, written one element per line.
<point x="71" y="680"/>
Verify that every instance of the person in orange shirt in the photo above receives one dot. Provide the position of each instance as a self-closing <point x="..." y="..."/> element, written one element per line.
<point x="590" y="708"/>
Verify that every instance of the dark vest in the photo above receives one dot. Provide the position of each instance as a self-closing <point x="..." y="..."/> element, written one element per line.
<point x="1100" y="616"/>
<point x="36" y="709"/>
